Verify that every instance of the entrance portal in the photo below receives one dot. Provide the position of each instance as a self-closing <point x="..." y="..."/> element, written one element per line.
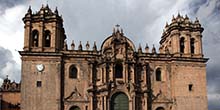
<point x="74" y="108"/>
<point x="160" y="108"/>
<point x="119" y="101"/>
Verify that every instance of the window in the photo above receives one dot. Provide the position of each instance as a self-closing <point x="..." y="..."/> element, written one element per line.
<point x="39" y="84"/>
<point x="158" y="74"/>
<point x="118" y="70"/>
<point x="192" y="45"/>
<point x="47" y="38"/>
<point x="35" y="37"/>
<point x="73" y="72"/>
<point x="190" y="87"/>
<point x="182" y="46"/>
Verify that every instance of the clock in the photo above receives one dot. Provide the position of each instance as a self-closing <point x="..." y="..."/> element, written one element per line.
<point x="40" y="67"/>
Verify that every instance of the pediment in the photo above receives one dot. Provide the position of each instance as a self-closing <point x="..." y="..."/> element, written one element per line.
<point x="163" y="98"/>
<point x="75" y="96"/>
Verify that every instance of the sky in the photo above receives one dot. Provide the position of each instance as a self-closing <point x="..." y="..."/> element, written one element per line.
<point x="88" y="20"/>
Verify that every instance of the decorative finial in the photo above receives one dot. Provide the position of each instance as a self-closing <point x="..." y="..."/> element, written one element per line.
<point x="186" y="17"/>
<point x="65" y="45"/>
<point x="173" y="19"/>
<point x="94" y="46"/>
<point x="166" y="24"/>
<point x="80" y="46"/>
<point x="113" y="30"/>
<point x="47" y="5"/>
<point x="121" y="30"/>
<point x="87" y="45"/>
<point x="197" y="20"/>
<point x="56" y="11"/>
<point x="117" y="27"/>
<point x="154" y="50"/>
<point x="178" y="15"/>
<point x="29" y="9"/>
<point x="146" y="48"/>
<point x="72" y="45"/>
<point x="139" y="49"/>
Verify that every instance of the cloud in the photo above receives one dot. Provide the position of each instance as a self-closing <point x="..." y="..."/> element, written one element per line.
<point x="11" y="35"/>
<point x="5" y="4"/>
<point x="8" y="66"/>
<point x="11" y="30"/>
<point x="209" y="14"/>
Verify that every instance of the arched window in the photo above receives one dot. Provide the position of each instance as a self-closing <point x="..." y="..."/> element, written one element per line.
<point x="158" y="74"/>
<point x="74" y="108"/>
<point x="118" y="70"/>
<point x="182" y="45"/>
<point x="47" y="38"/>
<point x="192" y="45"/>
<point x="73" y="72"/>
<point x="35" y="37"/>
<point x="160" y="108"/>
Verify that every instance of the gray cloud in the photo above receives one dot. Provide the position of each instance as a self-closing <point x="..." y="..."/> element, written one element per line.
<point x="209" y="15"/>
<point x="8" y="66"/>
<point x="5" y="4"/>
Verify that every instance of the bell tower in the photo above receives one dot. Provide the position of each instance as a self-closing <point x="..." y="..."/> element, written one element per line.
<point x="42" y="63"/>
<point x="44" y="30"/>
<point x="182" y="37"/>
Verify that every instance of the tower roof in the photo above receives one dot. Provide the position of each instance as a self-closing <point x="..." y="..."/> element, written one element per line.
<point x="45" y="13"/>
<point x="181" y="23"/>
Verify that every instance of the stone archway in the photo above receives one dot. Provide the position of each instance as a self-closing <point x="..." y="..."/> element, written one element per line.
<point x="119" y="101"/>
<point x="74" y="108"/>
<point x="160" y="108"/>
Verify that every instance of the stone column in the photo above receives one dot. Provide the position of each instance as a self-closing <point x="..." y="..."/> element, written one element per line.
<point x="53" y="36"/>
<point x="132" y="73"/>
<point x="199" y="45"/>
<point x="90" y="74"/>
<point x="187" y="45"/>
<point x="145" y="102"/>
<point x="27" y="36"/>
<point x="41" y="34"/>
<point x="144" y="75"/>
<point x="125" y="73"/>
<point x="175" y="37"/>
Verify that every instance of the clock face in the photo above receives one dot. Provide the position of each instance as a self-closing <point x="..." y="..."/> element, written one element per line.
<point x="40" y="67"/>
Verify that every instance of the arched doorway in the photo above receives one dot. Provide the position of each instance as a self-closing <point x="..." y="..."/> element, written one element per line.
<point x="74" y="108"/>
<point x="119" y="101"/>
<point x="160" y="108"/>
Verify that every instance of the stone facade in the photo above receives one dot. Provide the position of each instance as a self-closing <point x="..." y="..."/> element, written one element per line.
<point x="116" y="77"/>
<point x="10" y="96"/>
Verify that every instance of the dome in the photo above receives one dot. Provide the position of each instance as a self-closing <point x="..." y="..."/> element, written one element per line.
<point x="117" y="38"/>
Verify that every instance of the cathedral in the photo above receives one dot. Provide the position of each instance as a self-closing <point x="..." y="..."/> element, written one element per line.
<point x="118" y="76"/>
